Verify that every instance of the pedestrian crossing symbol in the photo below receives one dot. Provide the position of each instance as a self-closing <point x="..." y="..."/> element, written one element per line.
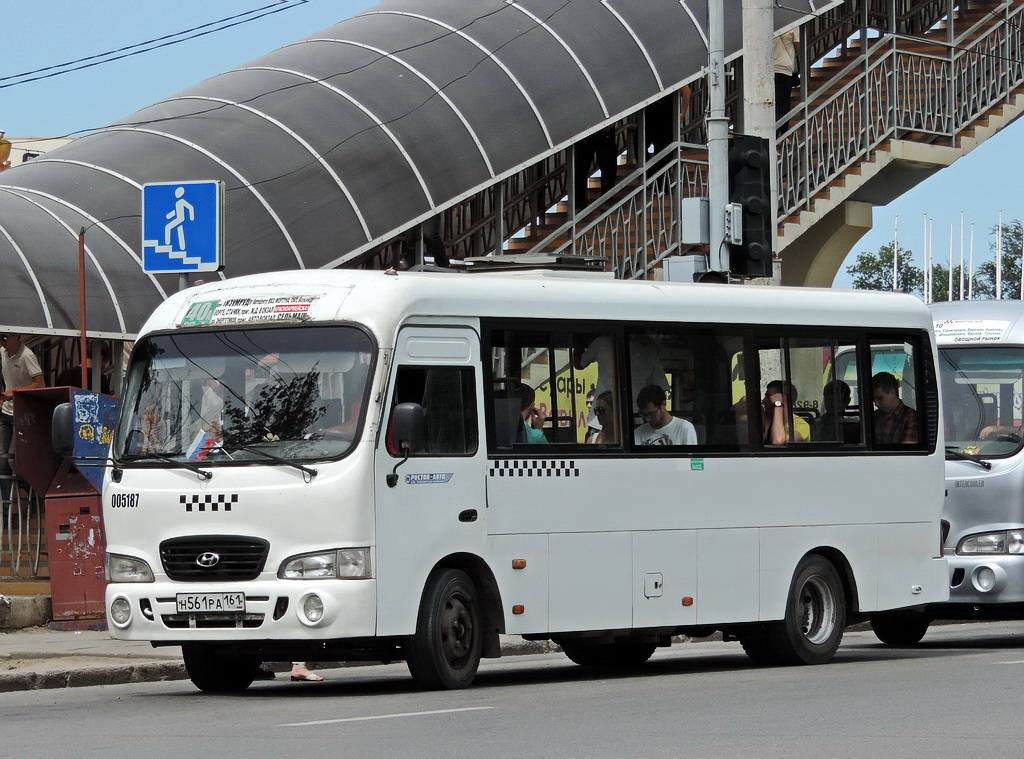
<point x="182" y="227"/>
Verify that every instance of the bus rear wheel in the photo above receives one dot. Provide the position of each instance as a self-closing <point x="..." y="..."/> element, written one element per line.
<point x="444" y="654"/>
<point x="621" y="653"/>
<point x="815" y="615"/>
<point x="814" y="623"/>
<point x="900" y="628"/>
<point x="213" y="673"/>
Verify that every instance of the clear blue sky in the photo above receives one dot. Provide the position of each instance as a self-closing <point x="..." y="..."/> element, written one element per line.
<point x="48" y="32"/>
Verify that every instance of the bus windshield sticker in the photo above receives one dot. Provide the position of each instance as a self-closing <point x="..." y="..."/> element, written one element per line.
<point x="970" y="330"/>
<point x="696" y="465"/>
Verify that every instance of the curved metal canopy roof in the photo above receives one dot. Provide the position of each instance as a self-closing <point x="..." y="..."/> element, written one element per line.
<point x="337" y="142"/>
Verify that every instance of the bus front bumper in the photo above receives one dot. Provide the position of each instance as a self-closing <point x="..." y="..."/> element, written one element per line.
<point x="258" y="610"/>
<point x="983" y="580"/>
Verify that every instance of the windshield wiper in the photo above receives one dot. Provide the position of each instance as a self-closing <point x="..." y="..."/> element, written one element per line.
<point x="952" y="452"/>
<point x="260" y="452"/>
<point x="204" y="473"/>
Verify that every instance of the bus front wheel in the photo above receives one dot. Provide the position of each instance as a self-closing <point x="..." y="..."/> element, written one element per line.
<point x="444" y="654"/>
<point x="900" y="628"/>
<point x="218" y="674"/>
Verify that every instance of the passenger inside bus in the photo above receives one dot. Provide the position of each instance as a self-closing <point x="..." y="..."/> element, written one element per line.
<point x="776" y="412"/>
<point x="603" y="408"/>
<point x="660" y="427"/>
<point x="533" y="418"/>
<point x="895" y="422"/>
<point x="832" y="425"/>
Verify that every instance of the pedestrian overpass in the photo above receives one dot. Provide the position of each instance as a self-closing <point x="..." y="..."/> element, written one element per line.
<point x="453" y="129"/>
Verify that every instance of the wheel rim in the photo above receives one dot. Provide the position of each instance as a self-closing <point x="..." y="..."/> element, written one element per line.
<point x="456" y="631"/>
<point x="817" y="610"/>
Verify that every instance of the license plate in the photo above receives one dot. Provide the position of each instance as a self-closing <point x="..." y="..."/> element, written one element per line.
<point x="191" y="603"/>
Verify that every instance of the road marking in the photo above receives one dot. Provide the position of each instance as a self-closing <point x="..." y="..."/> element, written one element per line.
<point x="384" y="716"/>
<point x="1011" y="662"/>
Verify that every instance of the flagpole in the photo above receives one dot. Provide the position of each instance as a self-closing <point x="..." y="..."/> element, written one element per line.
<point x="970" y="277"/>
<point x="961" y="254"/>
<point x="949" y="292"/>
<point x="999" y="257"/>
<point x="927" y="267"/>
<point x="895" y="251"/>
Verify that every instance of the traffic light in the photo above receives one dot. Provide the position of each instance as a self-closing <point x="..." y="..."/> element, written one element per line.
<point x="750" y="169"/>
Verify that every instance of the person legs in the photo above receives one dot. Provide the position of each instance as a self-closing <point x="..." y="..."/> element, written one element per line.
<point x="301" y="673"/>
<point x="6" y="459"/>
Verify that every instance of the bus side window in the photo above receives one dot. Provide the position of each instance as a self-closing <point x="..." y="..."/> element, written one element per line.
<point x="448" y="397"/>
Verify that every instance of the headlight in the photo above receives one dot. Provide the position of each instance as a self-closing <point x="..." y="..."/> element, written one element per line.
<point x="127" y="569"/>
<point x="342" y="564"/>
<point x="989" y="543"/>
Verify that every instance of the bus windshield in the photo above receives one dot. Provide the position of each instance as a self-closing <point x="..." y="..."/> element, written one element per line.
<point x="981" y="394"/>
<point x="245" y="395"/>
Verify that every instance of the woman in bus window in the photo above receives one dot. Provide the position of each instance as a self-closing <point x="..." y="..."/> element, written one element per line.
<point x="603" y="409"/>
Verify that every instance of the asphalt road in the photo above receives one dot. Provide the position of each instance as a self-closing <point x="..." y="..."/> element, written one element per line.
<point x="957" y="694"/>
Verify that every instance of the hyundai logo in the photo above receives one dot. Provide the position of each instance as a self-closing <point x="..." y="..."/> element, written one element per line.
<point x="208" y="559"/>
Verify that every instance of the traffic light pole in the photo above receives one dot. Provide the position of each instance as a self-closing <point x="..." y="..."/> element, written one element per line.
<point x="718" y="140"/>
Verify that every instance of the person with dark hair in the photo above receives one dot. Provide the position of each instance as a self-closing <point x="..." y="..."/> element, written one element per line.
<point x="533" y="418"/>
<point x="895" y="421"/>
<point x="836" y="397"/>
<point x="777" y="410"/>
<point x="660" y="427"/>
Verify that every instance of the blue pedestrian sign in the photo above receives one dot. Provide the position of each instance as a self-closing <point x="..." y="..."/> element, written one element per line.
<point x="182" y="227"/>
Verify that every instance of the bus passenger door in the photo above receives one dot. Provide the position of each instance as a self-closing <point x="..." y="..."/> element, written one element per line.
<point x="437" y="505"/>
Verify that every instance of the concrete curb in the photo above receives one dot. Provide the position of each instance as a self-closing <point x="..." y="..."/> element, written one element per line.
<point x="80" y="678"/>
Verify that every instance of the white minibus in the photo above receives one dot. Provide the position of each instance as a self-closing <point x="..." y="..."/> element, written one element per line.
<point x="368" y="465"/>
<point x="981" y="365"/>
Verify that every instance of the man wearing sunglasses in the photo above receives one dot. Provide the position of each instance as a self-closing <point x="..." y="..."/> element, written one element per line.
<point x="21" y="371"/>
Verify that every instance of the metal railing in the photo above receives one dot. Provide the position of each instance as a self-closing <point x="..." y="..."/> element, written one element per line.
<point x="929" y="88"/>
<point x="22" y="532"/>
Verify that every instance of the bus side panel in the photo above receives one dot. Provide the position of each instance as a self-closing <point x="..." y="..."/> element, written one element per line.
<point x="908" y="572"/>
<point x="727" y="588"/>
<point x="526" y="587"/>
<point x="781" y="551"/>
<point x="588" y="588"/>
<point x="664" y="572"/>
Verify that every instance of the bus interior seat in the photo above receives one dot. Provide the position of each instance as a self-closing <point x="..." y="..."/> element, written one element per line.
<point x="507" y="420"/>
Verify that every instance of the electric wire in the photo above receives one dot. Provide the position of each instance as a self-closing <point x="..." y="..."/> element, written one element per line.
<point x="147" y="46"/>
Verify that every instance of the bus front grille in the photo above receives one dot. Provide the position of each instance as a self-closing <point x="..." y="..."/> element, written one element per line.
<point x="207" y="558"/>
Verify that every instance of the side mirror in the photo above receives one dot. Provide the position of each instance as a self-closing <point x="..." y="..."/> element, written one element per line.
<point x="62" y="429"/>
<point x="409" y="427"/>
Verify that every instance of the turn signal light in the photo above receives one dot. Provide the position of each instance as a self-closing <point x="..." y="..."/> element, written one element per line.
<point x="518" y="563"/>
<point x="687" y="601"/>
<point x="518" y="609"/>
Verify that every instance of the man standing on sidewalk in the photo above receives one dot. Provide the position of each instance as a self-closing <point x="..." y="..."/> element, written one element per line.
<point x="21" y="372"/>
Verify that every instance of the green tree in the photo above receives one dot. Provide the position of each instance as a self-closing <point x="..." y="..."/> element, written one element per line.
<point x="873" y="271"/>
<point x="985" y="273"/>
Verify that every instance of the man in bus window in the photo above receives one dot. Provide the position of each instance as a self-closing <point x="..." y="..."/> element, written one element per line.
<point x="660" y="427"/>
<point x="776" y="411"/>
<point x="836" y="397"/>
<point x="895" y="421"/>
<point x="533" y="417"/>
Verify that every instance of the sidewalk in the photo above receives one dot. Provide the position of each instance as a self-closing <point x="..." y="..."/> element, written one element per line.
<point x="38" y="658"/>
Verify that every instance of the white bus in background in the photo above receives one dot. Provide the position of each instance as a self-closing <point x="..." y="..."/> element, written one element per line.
<point x="981" y="366"/>
<point x="333" y="465"/>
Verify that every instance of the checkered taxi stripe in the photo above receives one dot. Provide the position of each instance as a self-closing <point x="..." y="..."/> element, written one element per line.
<point x="534" y="468"/>
<point x="209" y="502"/>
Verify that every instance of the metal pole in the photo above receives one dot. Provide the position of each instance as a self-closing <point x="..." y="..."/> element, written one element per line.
<point x="895" y="252"/>
<point x="718" y="139"/>
<point x="999" y="257"/>
<point x="82" y="345"/>
<point x="961" y="254"/>
<point x="970" y="278"/>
